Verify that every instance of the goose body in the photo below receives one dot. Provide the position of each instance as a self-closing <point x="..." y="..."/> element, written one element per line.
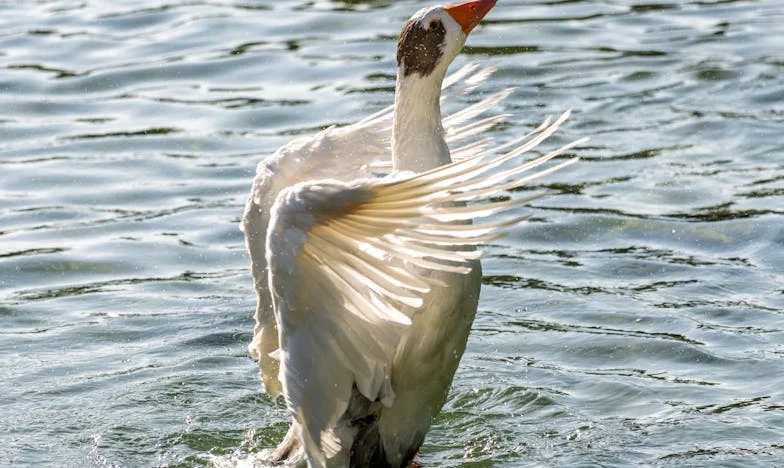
<point x="367" y="285"/>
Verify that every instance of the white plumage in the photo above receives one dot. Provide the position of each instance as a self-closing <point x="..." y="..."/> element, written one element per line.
<point x="368" y="284"/>
<point x="362" y="149"/>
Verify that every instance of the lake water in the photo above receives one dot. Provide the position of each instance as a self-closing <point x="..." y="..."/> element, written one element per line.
<point x="638" y="319"/>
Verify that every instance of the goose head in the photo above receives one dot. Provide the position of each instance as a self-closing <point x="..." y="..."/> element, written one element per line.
<point x="428" y="43"/>
<point x="433" y="37"/>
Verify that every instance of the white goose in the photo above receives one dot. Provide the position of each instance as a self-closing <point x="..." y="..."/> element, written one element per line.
<point x="367" y="286"/>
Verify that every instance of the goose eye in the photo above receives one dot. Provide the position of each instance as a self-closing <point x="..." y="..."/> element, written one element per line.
<point x="434" y="25"/>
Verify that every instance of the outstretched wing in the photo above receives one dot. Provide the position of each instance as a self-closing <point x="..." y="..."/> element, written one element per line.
<point x="340" y="257"/>
<point x="344" y="153"/>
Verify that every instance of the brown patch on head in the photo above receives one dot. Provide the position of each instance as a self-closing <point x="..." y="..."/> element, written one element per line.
<point x="419" y="46"/>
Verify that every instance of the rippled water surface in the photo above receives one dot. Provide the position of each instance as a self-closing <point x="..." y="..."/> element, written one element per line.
<point x="638" y="319"/>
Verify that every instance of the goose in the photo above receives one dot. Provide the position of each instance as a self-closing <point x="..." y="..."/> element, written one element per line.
<point x="367" y="283"/>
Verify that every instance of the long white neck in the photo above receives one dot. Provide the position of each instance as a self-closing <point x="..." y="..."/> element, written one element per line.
<point x="417" y="134"/>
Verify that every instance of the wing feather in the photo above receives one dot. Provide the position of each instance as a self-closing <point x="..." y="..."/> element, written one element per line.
<point x="340" y="256"/>
<point x="307" y="158"/>
<point x="381" y="281"/>
<point x="456" y="122"/>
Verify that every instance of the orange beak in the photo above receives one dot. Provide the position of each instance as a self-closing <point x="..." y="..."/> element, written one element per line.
<point x="469" y="14"/>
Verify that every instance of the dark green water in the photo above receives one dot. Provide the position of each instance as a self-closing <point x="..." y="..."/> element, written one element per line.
<point x="638" y="320"/>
